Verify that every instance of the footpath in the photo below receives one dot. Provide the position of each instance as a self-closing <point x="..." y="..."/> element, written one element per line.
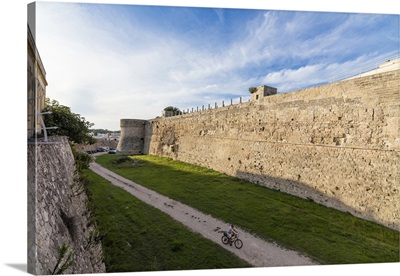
<point x="255" y="251"/>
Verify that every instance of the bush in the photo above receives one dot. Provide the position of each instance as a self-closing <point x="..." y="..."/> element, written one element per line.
<point x="126" y="161"/>
<point x="82" y="160"/>
<point x="252" y="89"/>
<point x="121" y="160"/>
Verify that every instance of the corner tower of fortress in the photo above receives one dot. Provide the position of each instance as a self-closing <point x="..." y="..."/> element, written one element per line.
<point x="132" y="136"/>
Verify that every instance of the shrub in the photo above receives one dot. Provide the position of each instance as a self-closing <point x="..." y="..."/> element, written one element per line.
<point x="121" y="160"/>
<point x="82" y="160"/>
<point x="252" y="89"/>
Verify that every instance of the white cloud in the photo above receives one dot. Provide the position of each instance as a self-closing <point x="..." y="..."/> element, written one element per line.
<point x="289" y="79"/>
<point x="106" y="66"/>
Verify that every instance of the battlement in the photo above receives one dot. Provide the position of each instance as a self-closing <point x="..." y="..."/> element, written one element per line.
<point x="132" y="123"/>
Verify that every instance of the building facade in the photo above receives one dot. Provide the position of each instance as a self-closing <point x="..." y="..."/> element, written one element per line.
<point x="36" y="88"/>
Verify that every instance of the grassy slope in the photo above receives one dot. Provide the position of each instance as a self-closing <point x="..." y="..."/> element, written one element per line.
<point x="139" y="237"/>
<point x="327" y="235"/>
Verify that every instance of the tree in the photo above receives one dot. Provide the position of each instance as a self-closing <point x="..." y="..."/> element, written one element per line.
<point x="252" y="89"/>
<point x="175" y="110"/>
<point x="69" y="124"/>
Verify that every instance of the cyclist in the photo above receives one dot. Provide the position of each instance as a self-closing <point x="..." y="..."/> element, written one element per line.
<point x="232" y="233"/>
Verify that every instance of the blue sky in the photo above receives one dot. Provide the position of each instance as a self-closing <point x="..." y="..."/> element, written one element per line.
<point x="109" y="62"/>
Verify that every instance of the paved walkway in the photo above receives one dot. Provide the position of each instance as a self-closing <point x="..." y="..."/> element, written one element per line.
<point x="255" y="251"/>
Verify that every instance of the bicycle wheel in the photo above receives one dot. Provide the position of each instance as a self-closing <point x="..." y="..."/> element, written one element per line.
<point x="225" y="240"/>
<point x="238" y="244"/>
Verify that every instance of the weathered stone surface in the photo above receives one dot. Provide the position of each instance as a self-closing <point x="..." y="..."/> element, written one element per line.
<point x="57" y="212"/>
<point x="337" y="144"/>
<point x="132" y="136"/>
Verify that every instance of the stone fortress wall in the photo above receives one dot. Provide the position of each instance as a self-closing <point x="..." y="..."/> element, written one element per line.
<point x="132" y="136"/>
<point x="336" y="144"/>
<point x="58" y="213"/>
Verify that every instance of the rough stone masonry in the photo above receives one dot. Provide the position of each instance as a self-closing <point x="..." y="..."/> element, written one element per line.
<point x="58" y="214"/>
<point x="337" y="144"/>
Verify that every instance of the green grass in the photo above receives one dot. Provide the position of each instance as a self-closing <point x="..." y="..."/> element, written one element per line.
<point x="326" y="235"/>
<point x="138" y="237"/>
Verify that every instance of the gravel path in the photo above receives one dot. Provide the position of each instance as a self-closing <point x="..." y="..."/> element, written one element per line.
<point x="255" y="251"/>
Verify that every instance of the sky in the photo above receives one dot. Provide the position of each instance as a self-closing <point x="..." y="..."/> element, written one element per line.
<point x="113" y="61"/>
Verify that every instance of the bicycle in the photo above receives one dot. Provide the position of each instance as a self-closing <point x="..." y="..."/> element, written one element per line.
<point x="236" y="241"/>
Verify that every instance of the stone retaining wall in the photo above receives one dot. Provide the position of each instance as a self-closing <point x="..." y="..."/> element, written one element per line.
<point x="57" y="213"/>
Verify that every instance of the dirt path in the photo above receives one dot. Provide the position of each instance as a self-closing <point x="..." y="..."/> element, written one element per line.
<point x="255" y="251"/>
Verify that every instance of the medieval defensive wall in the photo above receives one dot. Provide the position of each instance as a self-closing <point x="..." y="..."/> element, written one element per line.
<point x="336" y="144"/>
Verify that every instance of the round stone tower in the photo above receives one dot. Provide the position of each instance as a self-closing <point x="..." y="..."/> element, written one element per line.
<point x="132" y="136"/>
